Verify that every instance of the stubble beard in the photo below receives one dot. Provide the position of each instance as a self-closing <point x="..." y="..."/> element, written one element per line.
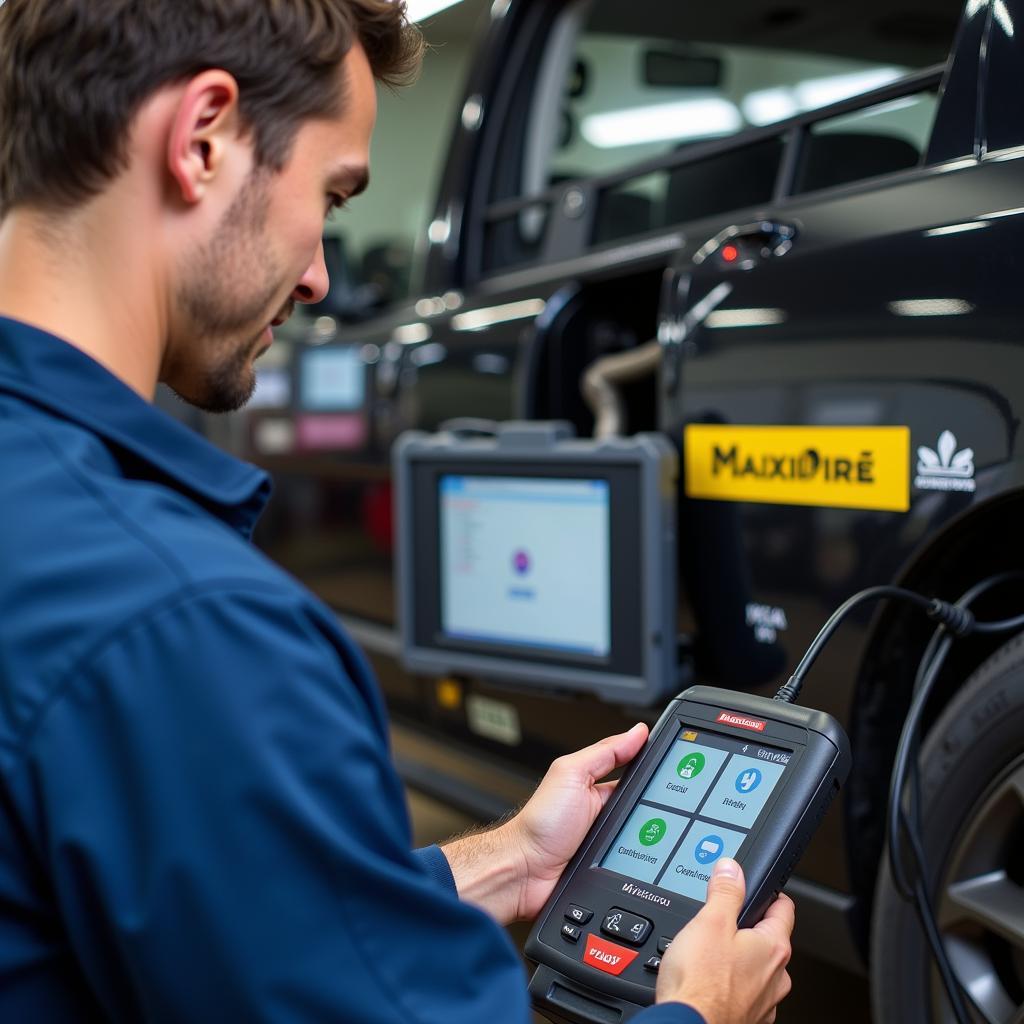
<point x="227" y="299"/>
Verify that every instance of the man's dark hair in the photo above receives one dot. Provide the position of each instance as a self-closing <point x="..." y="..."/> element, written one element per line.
<point x="73" y="74"/>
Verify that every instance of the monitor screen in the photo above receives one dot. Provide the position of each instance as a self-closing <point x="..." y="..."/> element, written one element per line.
<point x="332" y="380"/>
<point x="273" y="388"/>
<point x="526" y="561"/>
<point x="701" y="802"/>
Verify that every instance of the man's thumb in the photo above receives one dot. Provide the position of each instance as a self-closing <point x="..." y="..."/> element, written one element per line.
<point x="727" y="888"/>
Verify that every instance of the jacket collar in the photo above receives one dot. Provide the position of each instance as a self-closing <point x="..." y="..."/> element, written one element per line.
<point x="56" y="376"/>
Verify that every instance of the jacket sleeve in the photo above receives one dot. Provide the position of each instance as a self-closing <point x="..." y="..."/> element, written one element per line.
<point x="213" y="801"/>
<point x="435" y="863"/>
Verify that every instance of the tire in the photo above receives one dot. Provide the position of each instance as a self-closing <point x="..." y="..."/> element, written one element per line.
<point x="972" y="783"/>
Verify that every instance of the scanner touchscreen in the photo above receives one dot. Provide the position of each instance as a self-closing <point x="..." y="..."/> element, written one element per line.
<point x="701" y="802"/>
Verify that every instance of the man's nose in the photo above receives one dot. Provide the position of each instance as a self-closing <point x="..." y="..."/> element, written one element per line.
<point x="314" y="283"/>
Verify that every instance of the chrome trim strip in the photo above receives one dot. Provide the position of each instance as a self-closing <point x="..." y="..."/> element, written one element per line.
<point x="634" y="252"/>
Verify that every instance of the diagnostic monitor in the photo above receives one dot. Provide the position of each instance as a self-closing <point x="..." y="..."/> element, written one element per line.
<point x="332" y="412"/>
<point x="539" y="559"/>
<point x="332" y="378"/>
<point x="273" y="388"/>
<point x="724" y="774"/>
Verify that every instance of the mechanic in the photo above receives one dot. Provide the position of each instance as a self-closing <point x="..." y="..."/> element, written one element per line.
<point x="199" y="819"/>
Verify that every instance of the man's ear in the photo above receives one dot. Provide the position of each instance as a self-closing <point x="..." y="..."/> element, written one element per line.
<point x="205" y="123"/>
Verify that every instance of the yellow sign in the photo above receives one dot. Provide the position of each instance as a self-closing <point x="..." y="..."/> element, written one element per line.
<point x="689" y="734"/>
<point x="836" y="467"/>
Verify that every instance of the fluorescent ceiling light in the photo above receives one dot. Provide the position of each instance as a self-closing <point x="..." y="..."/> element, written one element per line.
<point x="411" y="334"/>
<point x="430" y="307"/>
<point x="685" y="119"/>
<point x="417" y="10"/>
<point x="931" y="307"/>
<point x="820" y="92"/>
<point x="766" y="106"/>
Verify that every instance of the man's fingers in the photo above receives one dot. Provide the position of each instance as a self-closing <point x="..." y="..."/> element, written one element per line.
<point x="624" y="746"/>
<point x="780" y="918"/>
<point x="606" y="755"/>
<point x="726" y="889"/>
<point x="782" y="988"/>
<point x="785" y="986"/>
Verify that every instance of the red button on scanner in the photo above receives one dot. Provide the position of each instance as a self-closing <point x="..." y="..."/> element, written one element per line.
<point x="606" y="956"/>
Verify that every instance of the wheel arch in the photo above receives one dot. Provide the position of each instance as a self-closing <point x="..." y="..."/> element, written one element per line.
<point x="974" y="545"/>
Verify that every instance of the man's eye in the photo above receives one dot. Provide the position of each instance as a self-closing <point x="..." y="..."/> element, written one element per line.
<point x="335" y="202"/>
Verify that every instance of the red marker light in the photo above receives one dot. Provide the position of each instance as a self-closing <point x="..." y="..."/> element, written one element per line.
<point x="730" y="254"/>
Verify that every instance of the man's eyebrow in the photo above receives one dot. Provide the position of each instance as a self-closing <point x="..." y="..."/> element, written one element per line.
<point x="351" y="180"/>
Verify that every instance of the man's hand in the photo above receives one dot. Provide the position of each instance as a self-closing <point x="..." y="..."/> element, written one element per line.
<point x="558" y="816"/>
<point x="731" y="975"/>
<point x="511" y="870"/>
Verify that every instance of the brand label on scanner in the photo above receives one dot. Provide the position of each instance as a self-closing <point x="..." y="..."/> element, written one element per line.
<point x="741" y="721"/>
<point x="834" y="467"/>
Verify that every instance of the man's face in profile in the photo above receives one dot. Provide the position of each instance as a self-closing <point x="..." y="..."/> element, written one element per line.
<point x="229" y="296"/>
<point x="266" y="253"/>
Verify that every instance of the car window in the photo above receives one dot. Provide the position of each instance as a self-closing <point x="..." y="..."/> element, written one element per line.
<point x="640" y="97"/>
<point x="1004" y="127"/>
<point x="372" y="247"/>
<point x="879" y="139"/>
<point x="625" y="82"/>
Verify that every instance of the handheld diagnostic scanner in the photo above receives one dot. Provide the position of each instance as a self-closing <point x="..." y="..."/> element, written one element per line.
<point x="723" y="774"/>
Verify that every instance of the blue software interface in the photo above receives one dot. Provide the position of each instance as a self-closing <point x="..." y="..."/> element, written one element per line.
<point x="525" y="561"/>
<point x="700" y="804"/>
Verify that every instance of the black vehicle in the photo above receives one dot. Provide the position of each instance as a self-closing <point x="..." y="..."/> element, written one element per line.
<point x="808" y="282"/>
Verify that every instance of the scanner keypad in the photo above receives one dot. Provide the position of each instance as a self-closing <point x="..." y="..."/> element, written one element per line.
<point x="627" y="927"/>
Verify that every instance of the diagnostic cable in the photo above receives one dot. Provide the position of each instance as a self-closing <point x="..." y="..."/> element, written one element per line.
<point x="728" y="773"/>
<point x="905" y="847"/>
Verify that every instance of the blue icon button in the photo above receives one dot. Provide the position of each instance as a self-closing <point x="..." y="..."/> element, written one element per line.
<point x="709" y="849"/>
<point x="748" y="780"/>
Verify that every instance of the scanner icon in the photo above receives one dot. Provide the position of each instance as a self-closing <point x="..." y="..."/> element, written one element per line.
<point x="691" y="766"/>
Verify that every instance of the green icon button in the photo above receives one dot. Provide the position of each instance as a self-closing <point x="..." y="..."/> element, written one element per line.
<point x="653" y="831"/>
<point x="691" y="766"/>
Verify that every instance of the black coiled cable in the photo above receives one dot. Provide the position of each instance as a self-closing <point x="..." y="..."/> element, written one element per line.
<point x="906" y="851"/>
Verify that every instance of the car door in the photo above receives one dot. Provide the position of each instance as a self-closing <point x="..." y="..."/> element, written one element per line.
<point x="842" y="373"/>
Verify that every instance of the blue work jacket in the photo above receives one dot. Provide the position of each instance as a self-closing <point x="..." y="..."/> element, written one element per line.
<point x="199" y="818"/>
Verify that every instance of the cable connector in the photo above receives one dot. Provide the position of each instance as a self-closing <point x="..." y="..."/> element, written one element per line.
<point x="789" y="692"/>
<point x="957" y="619"/>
